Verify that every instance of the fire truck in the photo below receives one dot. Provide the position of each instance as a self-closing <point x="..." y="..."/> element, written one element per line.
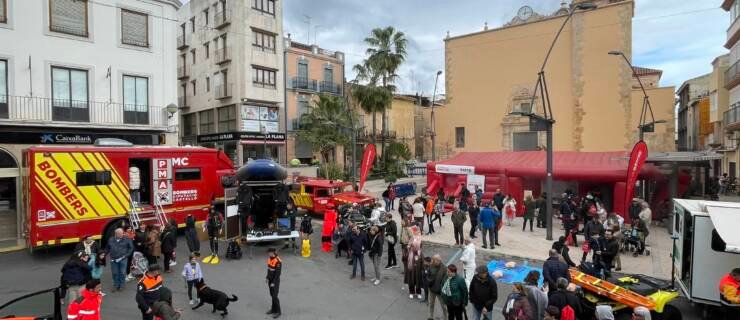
<point x="72" y="191"/>
<point x="313" y="195"/>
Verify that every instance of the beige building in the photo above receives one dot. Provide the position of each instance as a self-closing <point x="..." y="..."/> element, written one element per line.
<point x="731" y="117"/>
<point x="400" y="127"/>
<point x="230" y="80"/>
<point x="719" y="101"/>
<point x="491" y="73"/>
<point x="309" y="70"/>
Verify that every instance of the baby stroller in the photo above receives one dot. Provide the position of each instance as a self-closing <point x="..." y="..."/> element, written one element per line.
<point x="631" y="242"/>
<point x="139" y="264"/>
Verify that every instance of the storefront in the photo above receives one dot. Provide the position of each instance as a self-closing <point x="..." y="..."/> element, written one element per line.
<point x="242" y="146"/>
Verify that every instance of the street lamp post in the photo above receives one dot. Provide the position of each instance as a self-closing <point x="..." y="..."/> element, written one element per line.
<point x="434" y="130"/>
<point x="263" y="131"/>
<point x="642" y="127"/>
<point x="546" y="120"/>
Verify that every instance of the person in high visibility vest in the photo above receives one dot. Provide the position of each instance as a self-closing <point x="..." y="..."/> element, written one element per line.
<point x="147" y="292"/>
<point x="274" y="267"/>
<point x="87" y="305"/>
<point x="729" y="287"/>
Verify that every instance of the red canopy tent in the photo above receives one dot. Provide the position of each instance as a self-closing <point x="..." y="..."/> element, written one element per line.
<point x="514" y="172"/>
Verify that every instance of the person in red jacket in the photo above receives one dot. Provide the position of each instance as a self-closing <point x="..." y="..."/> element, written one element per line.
<point x="87" y="305"/>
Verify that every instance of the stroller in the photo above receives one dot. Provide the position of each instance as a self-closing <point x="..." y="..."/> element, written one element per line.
<point x="139" y="264"/>
<point x="631" y="242"/>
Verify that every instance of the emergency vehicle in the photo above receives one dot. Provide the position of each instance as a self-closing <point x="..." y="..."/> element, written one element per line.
<point x="72" y="191"/>
<point x="313" y="195"/>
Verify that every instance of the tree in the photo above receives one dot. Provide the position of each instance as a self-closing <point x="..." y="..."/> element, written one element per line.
<point x="371" y="99"/>
<point x="386" y="53"/>
<point x="325" y="125"/>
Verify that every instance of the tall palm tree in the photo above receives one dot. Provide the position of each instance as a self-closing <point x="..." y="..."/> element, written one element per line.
<point x="325" y="125"/>
<point x="387" y="51"/>
<point x="371" y="99"/>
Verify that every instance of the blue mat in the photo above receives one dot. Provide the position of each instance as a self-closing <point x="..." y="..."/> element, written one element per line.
<point x="516" y="274"/>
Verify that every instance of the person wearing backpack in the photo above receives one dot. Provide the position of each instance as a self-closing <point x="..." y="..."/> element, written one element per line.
<point x="517" y="306"/>
<point x="306" y="227"/>
<point x="568" y="303"/>
<point x="455" y="294"/>
<point x="87" y="305"/>
<point x="213" y="226"/>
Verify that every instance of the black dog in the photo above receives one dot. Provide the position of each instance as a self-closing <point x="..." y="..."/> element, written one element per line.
<point x="218" y="299"/>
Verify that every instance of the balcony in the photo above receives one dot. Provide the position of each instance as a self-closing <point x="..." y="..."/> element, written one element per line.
<point x="368" y="135"/>
<point x="182" y="42"/>
<point x="731" y="118"/>
<point x="301" y="83"/>
<point x="37" y="111"/>
<point x="223" y="55"/>
<point x="68" y="30"/>
<point x="182" y="73"/>
<point x="223" y="19"/>
<point x="224" y="91"/>
<point x="330" y="87"/>
<point x="732" y="76"/>
<point x="182" y="102"/>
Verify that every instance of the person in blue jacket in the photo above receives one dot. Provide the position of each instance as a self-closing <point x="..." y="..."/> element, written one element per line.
<point x="487" y="220"/>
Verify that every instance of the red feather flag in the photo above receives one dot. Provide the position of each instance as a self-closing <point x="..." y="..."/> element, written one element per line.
<point x="637" y="160"/>
<point x="367" y="163"/>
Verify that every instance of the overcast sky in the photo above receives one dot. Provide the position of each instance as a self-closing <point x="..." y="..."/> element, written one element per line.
<point x="680" y="37"/>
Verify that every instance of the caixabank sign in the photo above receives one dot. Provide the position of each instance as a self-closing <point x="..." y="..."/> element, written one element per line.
<point x="72" y="138"/>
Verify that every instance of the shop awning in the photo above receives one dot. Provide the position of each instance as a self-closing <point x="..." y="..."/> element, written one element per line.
<point x="726" y="220"/>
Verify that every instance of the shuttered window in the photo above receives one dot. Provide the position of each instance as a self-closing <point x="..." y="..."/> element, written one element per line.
<point x="3" y="11"/>
<point x="68" y="16"/>
<point x="134" y="28"/>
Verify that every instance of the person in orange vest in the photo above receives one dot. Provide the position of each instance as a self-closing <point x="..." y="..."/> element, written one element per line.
<point x="147" y="292"/>
<point x="87" y="305"/>
<point x="729" y="287"/>
<point x="274" y="267"/>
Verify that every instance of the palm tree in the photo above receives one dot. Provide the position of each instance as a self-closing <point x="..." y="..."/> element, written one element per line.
<point x="371" y="99"/>
<point x="386" y="53"/>
<point x="325" y="125"/>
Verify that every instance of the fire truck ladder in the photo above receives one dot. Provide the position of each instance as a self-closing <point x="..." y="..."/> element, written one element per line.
<point x="136" y="213"/>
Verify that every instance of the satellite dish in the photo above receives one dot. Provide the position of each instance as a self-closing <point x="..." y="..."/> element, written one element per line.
<point x="525" y="13"/>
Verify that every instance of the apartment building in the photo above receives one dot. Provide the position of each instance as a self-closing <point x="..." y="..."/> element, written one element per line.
<point x="230" y="79"/>
<point x="74" y="71"/>
<point x="309" y="71"/>
<point x="731" y="117"/>
<point x="693" y="101"/>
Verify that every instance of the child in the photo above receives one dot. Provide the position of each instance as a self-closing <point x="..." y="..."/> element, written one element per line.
<point x="192" y="274"/>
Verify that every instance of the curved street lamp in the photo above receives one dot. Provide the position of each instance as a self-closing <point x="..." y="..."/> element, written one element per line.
<point x="643" y="126"/>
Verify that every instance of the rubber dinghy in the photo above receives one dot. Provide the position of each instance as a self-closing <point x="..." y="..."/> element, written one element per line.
<point x="610" y="290"/>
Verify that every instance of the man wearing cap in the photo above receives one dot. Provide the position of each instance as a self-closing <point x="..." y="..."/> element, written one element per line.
<point x="274" y="267"/>
<point x="147" y="292"/>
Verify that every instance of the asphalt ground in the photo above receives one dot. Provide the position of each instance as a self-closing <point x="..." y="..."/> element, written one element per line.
<point x="317" y="287"/>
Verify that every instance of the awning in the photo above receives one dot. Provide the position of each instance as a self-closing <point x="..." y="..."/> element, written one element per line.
<point x="726" y="221"/>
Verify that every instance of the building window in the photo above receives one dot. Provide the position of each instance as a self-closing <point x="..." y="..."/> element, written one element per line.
<point x="134" y="28"/>
<point x="93" y="178"/>
<point x="192" y="54"/>
<point x="205" y="17"/>
<point x="206" y="47"/>
<point x="187" y="174"/>
<point x="188" y="125"/>
<point x="207" y="122"/>
<point x="192" y="24"/>
<point x="525" y="141"/>
<point x="264" y="78"/>
<point x="265" y="6"/>
<point x="460" y="137"/>
<point x="135" y="100"/>
<point x="303" y="69"/>
<point x="193" y="83"/>
<point x="227" y="119"/>
<point x="4" y="112"/>
<point x="208" y="84"/>
<point x="68" y="16"/>
<point x="328" y="74"/>
<point x="264" y="41"/>
<point x="3" y="11"/>
<point x="69" y="95"/>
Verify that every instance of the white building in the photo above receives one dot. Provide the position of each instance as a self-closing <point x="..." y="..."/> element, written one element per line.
<point x="231" y="86"/>
<point x="731" y="117"/>
<point x="72" y="71"/>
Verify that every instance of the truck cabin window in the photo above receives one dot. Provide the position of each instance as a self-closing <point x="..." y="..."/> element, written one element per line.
<point x="308" y="190"/>
<point x="322" y="192"/>
<point x="93" y="178"/>
<point x="718" y="244"/>
<point x="187" y="174"/>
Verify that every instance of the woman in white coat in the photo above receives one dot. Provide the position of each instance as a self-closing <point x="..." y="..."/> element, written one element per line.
<point x="509" y="209"/>
<point x="468" y="261"/>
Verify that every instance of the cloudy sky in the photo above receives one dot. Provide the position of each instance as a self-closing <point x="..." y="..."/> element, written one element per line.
<point x="680" y="37"/>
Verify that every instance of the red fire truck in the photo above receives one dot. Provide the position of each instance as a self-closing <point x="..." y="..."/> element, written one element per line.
<point x="72" y="191"/>
<point x="313" y="195"/>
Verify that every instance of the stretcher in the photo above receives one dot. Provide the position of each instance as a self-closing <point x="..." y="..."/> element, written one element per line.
<point x="610" y="290"/>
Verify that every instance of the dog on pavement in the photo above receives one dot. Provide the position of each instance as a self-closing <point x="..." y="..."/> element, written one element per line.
<point x="219" y="300"/>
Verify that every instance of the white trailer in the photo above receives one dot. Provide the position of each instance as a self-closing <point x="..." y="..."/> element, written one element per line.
<point x="706" y="247"/>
